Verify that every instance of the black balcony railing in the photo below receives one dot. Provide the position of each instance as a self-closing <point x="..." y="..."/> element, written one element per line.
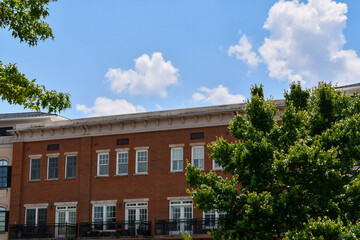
<point x="115" y="229"/>
<point x="58" y="231"/>
<point x="194" y="226"/>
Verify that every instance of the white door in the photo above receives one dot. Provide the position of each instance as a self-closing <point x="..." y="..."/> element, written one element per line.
<point x="136" y="215"/>
<point x="65" y="215"/>
<point x="181" y="214"/>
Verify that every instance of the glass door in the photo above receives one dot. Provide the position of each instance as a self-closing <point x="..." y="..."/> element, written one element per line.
<point x="181" y="214"/>
<point x="65" y="216"/>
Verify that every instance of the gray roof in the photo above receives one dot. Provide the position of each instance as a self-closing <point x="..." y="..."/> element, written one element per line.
<point x="24" y="115"/>
<point x="349" y="86"/>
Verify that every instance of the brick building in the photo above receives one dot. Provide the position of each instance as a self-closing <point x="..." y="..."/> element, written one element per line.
<point x="115" y="176"/>
<point x="8" y="121"/>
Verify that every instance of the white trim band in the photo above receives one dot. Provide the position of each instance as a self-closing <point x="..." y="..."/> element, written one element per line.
<point x="180" y="198"/>
<point x="176" y="145"/>
<point x="36" y="205"/>
<point x="136" y="200"/>
<point x="65" y="203"/>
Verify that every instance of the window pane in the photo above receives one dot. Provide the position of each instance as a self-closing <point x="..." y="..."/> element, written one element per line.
<point x="142" y="167"/>
<point x="198" y="157"/>
<point x="103" y="164"/>
<point x="110" y="213"/>
<point x="53" y="168"/>
<point x="142" y="161"/>
<point x="3" y="163"/>
<point x="131" y="214"/>
<point x="98" y="214"/>
<point x="177" y="159"/>
<point x="70" y="166"/>
<point x="123" y="169"/>
<point x="143" y="214"/>
<point x="2" y="221"/>
<point x="3" y="176"/>
<point x="42" y="212"/>
<point x="123" y="163"/>
<point x="104" y="170"/>
<point x="35" y="169"/>
<point x="142" y="156"/>
<point x="30" y="216"/>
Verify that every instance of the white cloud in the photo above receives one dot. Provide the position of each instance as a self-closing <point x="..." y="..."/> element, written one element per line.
<point x="242" y="51"/>
<point x="306" y="43"/>
<point x="158" y="107"/>
<point x="105" y="106"/>
<point x="219" y="95"/>
<point x="151" y="76"/>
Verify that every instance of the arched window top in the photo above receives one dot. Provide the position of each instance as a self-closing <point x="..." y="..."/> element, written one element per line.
<point x="3" y="162"/>
<point x="2" y="209"/>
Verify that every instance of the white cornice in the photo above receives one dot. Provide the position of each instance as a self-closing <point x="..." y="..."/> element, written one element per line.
<point x="130" y="123"/>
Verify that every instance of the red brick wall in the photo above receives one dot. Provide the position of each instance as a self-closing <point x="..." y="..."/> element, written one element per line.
<point x="159" y="184"/>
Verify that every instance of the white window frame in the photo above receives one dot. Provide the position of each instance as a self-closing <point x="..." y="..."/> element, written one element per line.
<point x="98" y="164"/>
<point x="192" y="156"/>
<point x="36" y="214"/>
<point x="34" y="158"/>
<point x="137" y="206"/>
<point x="66" y="162"/>
<point x="217" y="168"/>
<point x="104" y="210"/>
<point x="180" y="203"/>
<point x="172" y="160"/>
<point x="52" y="155"/>
<point x="147" y="161"/>
<point x="124" y="150"/>
<point x="217" y="216"/>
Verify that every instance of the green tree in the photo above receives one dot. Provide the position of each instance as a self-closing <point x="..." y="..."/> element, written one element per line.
<point x="282" y="176"/>
<point x="25" y="21"/>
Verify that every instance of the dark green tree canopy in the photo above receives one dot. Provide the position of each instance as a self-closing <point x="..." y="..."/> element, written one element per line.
<point x="25" y="20"/>
<point x="283" y="176"/>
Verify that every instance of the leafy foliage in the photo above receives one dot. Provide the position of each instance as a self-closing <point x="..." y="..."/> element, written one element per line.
<point x="284" y="175"/>
<point x="25" y="21"/>
<point x="325" y="228"/>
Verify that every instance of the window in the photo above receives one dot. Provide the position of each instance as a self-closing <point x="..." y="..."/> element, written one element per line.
<point x="53" y="164"/>
<point x="181" y="212"/>
<point x="5" y="174"/>
<point x="122" y="163"/>
<point x="103" y="164"/>
<point x="4" y="220"/>
<point x="70" y="167"/>
<point x="36" y="216"/>
<point x="212" y="218"/>
<point x="141" y="161"/>
<point x="104" y="217"/>
<point x="216" y="166"/>
<point x="176" y="159"/>
<point x="198" y="157"/>
<point x="136" y="213"/>
<point x="35" y="169"/>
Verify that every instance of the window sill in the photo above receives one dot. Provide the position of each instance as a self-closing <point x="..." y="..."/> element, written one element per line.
<point x="34" y="180"/>
<point x="140" y="174"/>
<point x="102" y="176"/>
<point x="51" y="179"/>
<point x="176" y="172"/>
<point x="121" y="175"/>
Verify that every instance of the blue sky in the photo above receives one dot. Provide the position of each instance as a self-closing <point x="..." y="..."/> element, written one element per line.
<point x="118" y="56"/>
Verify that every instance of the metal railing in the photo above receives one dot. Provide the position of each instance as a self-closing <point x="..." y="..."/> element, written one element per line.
<point x="117" y="229"/>
<point x="59" y="231"/>
<point x="194" y="226"/>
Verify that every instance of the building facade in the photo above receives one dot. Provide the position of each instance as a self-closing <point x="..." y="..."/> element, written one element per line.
<point x="114" y="177"/>
<point x="8" y="122"/>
